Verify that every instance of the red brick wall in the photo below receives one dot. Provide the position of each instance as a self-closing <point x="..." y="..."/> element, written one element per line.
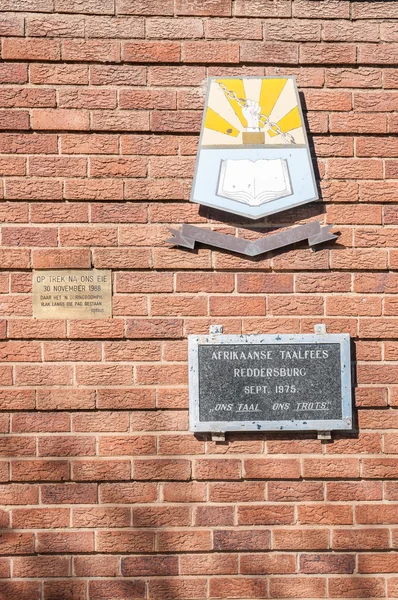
<point x="105" y="493"/>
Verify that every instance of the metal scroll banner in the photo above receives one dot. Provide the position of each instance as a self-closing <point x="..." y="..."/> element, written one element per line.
<point x="313" y="232"/>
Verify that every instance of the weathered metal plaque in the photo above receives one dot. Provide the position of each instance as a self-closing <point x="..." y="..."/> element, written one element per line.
<point x="270" y="382"/>
<point x="72" y="294"/>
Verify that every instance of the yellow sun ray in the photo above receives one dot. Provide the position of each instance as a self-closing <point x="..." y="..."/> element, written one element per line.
<point x="271" y="89"/>
<point x="290" y="121"/>
<point x="217" y="123"/>
<point x="237" y="86"/>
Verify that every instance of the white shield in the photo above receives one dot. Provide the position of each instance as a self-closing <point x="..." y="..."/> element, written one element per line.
<point x="253" y="158"/>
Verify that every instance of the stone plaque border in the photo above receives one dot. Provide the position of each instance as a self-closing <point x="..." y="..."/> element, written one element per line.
<point x="345" y="423"/>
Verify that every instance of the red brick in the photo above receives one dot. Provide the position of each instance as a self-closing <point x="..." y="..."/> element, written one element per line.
<point x="354" y="587"/>
<point x="29" y="236"/>
<point x="162" y="469"/>
<point x="120" y="121"/>
<point x="126" y="258"/>
<point x="66" y="446"/>
<point x="91" y="50"/>
<point x="364" y="443"/>
<point x="217" y="469"/>
<point x="214" y="515"/>
<point x="281" y="491"/>
<point x="271" y="468"/>
<point x="366" y="514"/>
<point x="139" y="398"/>
<point x="183" y="540"/>
<point x="41" y="566"/>
<point x="121" y="493"/>
<point x="325" y="514"/>
<point x="184" y="492"/>
<point x="180" y="444"/>
<point x="99" y="517"/>
<point x="91" y="470"/>
<point x="58" y="74"/>
<point x="100" y="590"/>
<point x="178" y="306"/>
<point x="209" y="564"/>
<point x="304" y="539"/>
<point x="168" y="589"/>
<point x="326" y="467"/>
<point x="152" y="52"/>
<point x="95" y="566"/>
<point x="145" y="7"/>
<point x="161" y="374"/>
<point x="163" y="28"/>
<point x="371" y="397"/>
<point x="298" y="587"/>
<point x="64" y="589"/>
<point x="13" y="73"/>
<point x="64" y="259"/>
<point x="124" y="213"/>
<point x="53" y="119"/>
<point x="55" y="26"/>
<point x="31" y="49"/>
<point x="161" y="516"/>
<point x="242" y="539"/>
<point x="154" y="565"/>
<point x="359" y="259"/>
<point x="114" y="27"/>
<point x="154" y="328"/>
<point x="24" y="590"/>
<point x="127" y="445"/>
<point x="48" y="212"/>
<point x="234" y="587"/>
<point x="285" y="305"/>
<point x="270" y="514"/>
<point x="16" y="119"/>
<point x="264" y="564"/>
<point x="118" y="75"/>
<point x="36" y="470"/>
<point x="47" y="422"/>
<point x="17" y="399"/>
<point x="33" y="189"/>
<point x="223" y="305"/>
<point x="40" y="518"/>
<point x="327" y="563"/>
<point x="69" y="493"/>
<point x="19" y="494"/>
<point x="125" y="541"/>
<point x="64" y="399"/>
<point x="214" y="8"/>
<point x="360" y="539"/>
<point x="358" y="123"/>
<point x="72" y="351"/>
<point x="362" y="77"/>
<point x="355" y="168"/>
<point x="269" y="52"/>
<point x="377" y="563"/>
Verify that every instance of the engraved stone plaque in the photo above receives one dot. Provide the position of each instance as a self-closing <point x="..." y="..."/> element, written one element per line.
<point x="270" y="382"/>
<point x="72" y="294"/>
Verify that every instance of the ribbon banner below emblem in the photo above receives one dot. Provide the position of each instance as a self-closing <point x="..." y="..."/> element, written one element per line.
<point x="313" y="232"/>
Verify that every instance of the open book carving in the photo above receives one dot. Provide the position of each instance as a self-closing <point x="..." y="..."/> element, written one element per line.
<point x="254" y="182"/>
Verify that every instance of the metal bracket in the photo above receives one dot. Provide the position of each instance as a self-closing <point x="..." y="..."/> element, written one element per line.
<point x="324" y="435"/>
<point x="218" y="437"/>
<point x="320" y="329"/>
<point x="215" y="329"/>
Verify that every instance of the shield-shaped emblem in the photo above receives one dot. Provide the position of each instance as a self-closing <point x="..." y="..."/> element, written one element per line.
<point x="253" y="157"/>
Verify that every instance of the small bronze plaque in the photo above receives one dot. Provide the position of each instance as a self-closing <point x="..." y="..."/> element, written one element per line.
<point x="72" y="294"/>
